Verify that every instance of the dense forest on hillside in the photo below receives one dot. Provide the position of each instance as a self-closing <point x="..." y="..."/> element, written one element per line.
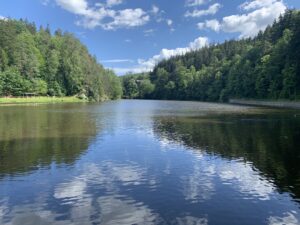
<point x="35" y="61"/>
<point x="264" y="67"/>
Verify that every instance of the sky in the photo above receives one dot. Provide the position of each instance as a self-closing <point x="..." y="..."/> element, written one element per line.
<point x="131" y="36"/>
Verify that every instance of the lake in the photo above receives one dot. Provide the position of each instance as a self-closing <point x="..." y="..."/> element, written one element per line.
<point x="149" y="162"/>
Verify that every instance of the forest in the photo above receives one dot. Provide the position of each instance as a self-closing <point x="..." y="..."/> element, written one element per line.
<point x="50" y="64"/>
<point x="264" y="67"/>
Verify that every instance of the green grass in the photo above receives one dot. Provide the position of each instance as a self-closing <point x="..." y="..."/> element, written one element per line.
<point x="19" y="100"/>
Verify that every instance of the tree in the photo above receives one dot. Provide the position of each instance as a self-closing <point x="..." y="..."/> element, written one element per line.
<point x="36" y="61"/>
<point x="12" y="83"/>
<point x="26" y="56"/>
<point x="3" y="60"/>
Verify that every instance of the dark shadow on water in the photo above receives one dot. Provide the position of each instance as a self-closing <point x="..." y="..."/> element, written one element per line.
<point x="32" y="138"/>
<point x="25" y="155"/>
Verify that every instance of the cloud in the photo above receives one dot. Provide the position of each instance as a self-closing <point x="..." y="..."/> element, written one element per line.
<point x="149" y="64"/>
<point x="104" y="16"/>
<point x="127" y="18"/>
<point x="263" y="13"/>
<point x="168" y="53"/>
<point x="159" y="15"/>
<point x="3" y="18"/>
<point x="79" y="7"/>
<point x="212" y="10"/>
<point x="169" y="22"/>
<point x="111" y="3"/>
<point x="256" y="4"/>
<point x="155" y="9"/>
<point x="193" y="3"/>
<point x="211" y="24"/>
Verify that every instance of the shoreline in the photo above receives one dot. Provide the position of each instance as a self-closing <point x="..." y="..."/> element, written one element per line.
<point x="39" y="100"/>
<point x="284" y="104"/>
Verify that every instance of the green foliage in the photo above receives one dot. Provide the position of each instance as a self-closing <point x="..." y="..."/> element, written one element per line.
<point x="33" y="60"/>
<point x="137" y="86"/>
<point x="266" y="66"/>
<point x="12" y="83"/>
<point x="39" y="87"/>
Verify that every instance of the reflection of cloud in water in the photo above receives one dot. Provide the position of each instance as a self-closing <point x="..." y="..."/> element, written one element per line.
<point x="115" y="208"/>
<point x="30" y="214"/>
<point x="3" y="209"/>
<point x="107" y="175"/>
<point x="127" y="174"/>
<point x="112" y="211"/>
<point x="86" y="207"/>
<point x="73" y="189"/>
<point x="117" y="211"/>
<point x="199" y="185"/>
<point x="288" y="219"/>
<point x="248" y="181"/>
<point x="190" y="220"/>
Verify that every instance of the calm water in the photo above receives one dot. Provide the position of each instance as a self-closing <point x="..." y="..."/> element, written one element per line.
<point x="149" y="162"/>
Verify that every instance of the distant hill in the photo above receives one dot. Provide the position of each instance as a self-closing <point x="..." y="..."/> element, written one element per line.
<point x="264" y="67"/>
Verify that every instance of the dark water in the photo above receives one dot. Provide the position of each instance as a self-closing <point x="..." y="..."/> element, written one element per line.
<point x="149" y="162"/>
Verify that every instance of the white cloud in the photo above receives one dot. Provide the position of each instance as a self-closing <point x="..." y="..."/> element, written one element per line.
<point x="149" y="64"/>
<point x="201" y="25"/>
<point x="168" y="53"/>
<point x="155" y="9"/>
<point x="127" y="18"/>
<point x="111" y="3"/>
<point x="93" y="17"/>
<point x="159" y="15"/>
<point x="169" y="22"/>
<point x="249" y="24"/>
<point x="255" y="4"/>
<point x="3" y="18"/>
<point x="79" y="7"/>
<point x="192" y="3"/>
<point x="212" y="24"/>
<point x="212" y="10"/>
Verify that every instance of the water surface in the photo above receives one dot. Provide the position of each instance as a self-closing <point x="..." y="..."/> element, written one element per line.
<point x="149" y="162"/>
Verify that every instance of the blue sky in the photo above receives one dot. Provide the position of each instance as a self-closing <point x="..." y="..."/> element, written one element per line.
<point x="133" y="35"/>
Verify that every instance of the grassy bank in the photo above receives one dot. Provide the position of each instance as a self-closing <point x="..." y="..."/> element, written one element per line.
<point x="15" y="100"/>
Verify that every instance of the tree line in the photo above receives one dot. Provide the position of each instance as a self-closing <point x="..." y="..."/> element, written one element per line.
<point x="36" y="61"/>
<point x="264" y="67"/>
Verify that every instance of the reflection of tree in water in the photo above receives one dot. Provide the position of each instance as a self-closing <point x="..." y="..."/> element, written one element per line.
<point x="271" y="143"/>
<point x="31" y="137"/>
